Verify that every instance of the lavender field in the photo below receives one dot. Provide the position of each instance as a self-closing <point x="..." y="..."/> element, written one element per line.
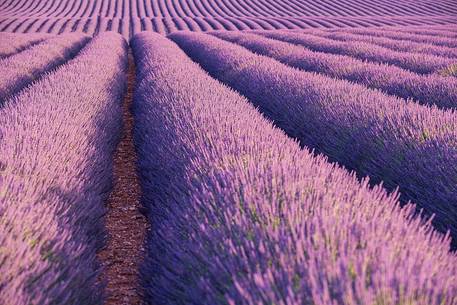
<point x="228" y="152"/>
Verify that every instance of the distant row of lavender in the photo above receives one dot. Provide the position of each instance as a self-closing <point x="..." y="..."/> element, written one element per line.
<point x="450" y="42"/>
<point x="13" y="43"/>
<point x="57" y="139"/>
<point x="241" y="215"/>
<point x="21" y="69"/>
<point x="415" y="62"/>
<point x="440" y="31"/>
<point x="401" y="45"/>
<point x="426" y="89"/>
<point x="401" y="143"/>
<point x="449" y="31"/>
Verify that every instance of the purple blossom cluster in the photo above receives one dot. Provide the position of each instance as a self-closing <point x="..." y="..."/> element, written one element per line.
<point x="401" y="143"/>
<point x="56" y="142"/>
<point x="240" y="214"/>
<point x="425" y="89"/>
<point x="415" y="62"/>
<point x="21" y="69"/>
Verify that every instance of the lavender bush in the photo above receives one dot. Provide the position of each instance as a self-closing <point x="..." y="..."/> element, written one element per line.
<point x="241" y="215"/>
<point x="56" y="144"/>
<point x="401" y="143"/>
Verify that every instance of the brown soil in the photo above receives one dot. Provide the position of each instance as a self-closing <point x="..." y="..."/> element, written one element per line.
<point x="125" y="225"/>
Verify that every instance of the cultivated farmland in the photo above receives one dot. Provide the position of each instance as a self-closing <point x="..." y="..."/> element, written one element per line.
<point x="228" y="152"/>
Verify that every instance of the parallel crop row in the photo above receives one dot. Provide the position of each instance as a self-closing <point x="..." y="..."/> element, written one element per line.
<point x="241" y="215"/>
<point x="426" y="89"/>
<point x="415" y="62"/>
<point x="165" y="16"/>
<point x="22" y="68"/>
<point x="398" y="142"/>
<point x="55" y="157"/>
<point x="227" y="8"/>
<point x="130" y="25"/>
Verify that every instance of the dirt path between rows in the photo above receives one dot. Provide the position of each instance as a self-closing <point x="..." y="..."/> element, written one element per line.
<point x="125" y="225"/>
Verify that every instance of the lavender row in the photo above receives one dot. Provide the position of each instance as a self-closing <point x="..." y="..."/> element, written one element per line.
<point x="241" y="215"/>
<point x="415" y="62"/>
<point x="57" y="139"/>
<point x="448" y="31"/>
<point x="443" y="31"/>
<point x="394" y="34"/>
<point x="13" y="43"/>
<point x="401" y="143"/>
<point x="21" y="69"/>
<point x="396" y="45"/>
<point x="426" y="89"/>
